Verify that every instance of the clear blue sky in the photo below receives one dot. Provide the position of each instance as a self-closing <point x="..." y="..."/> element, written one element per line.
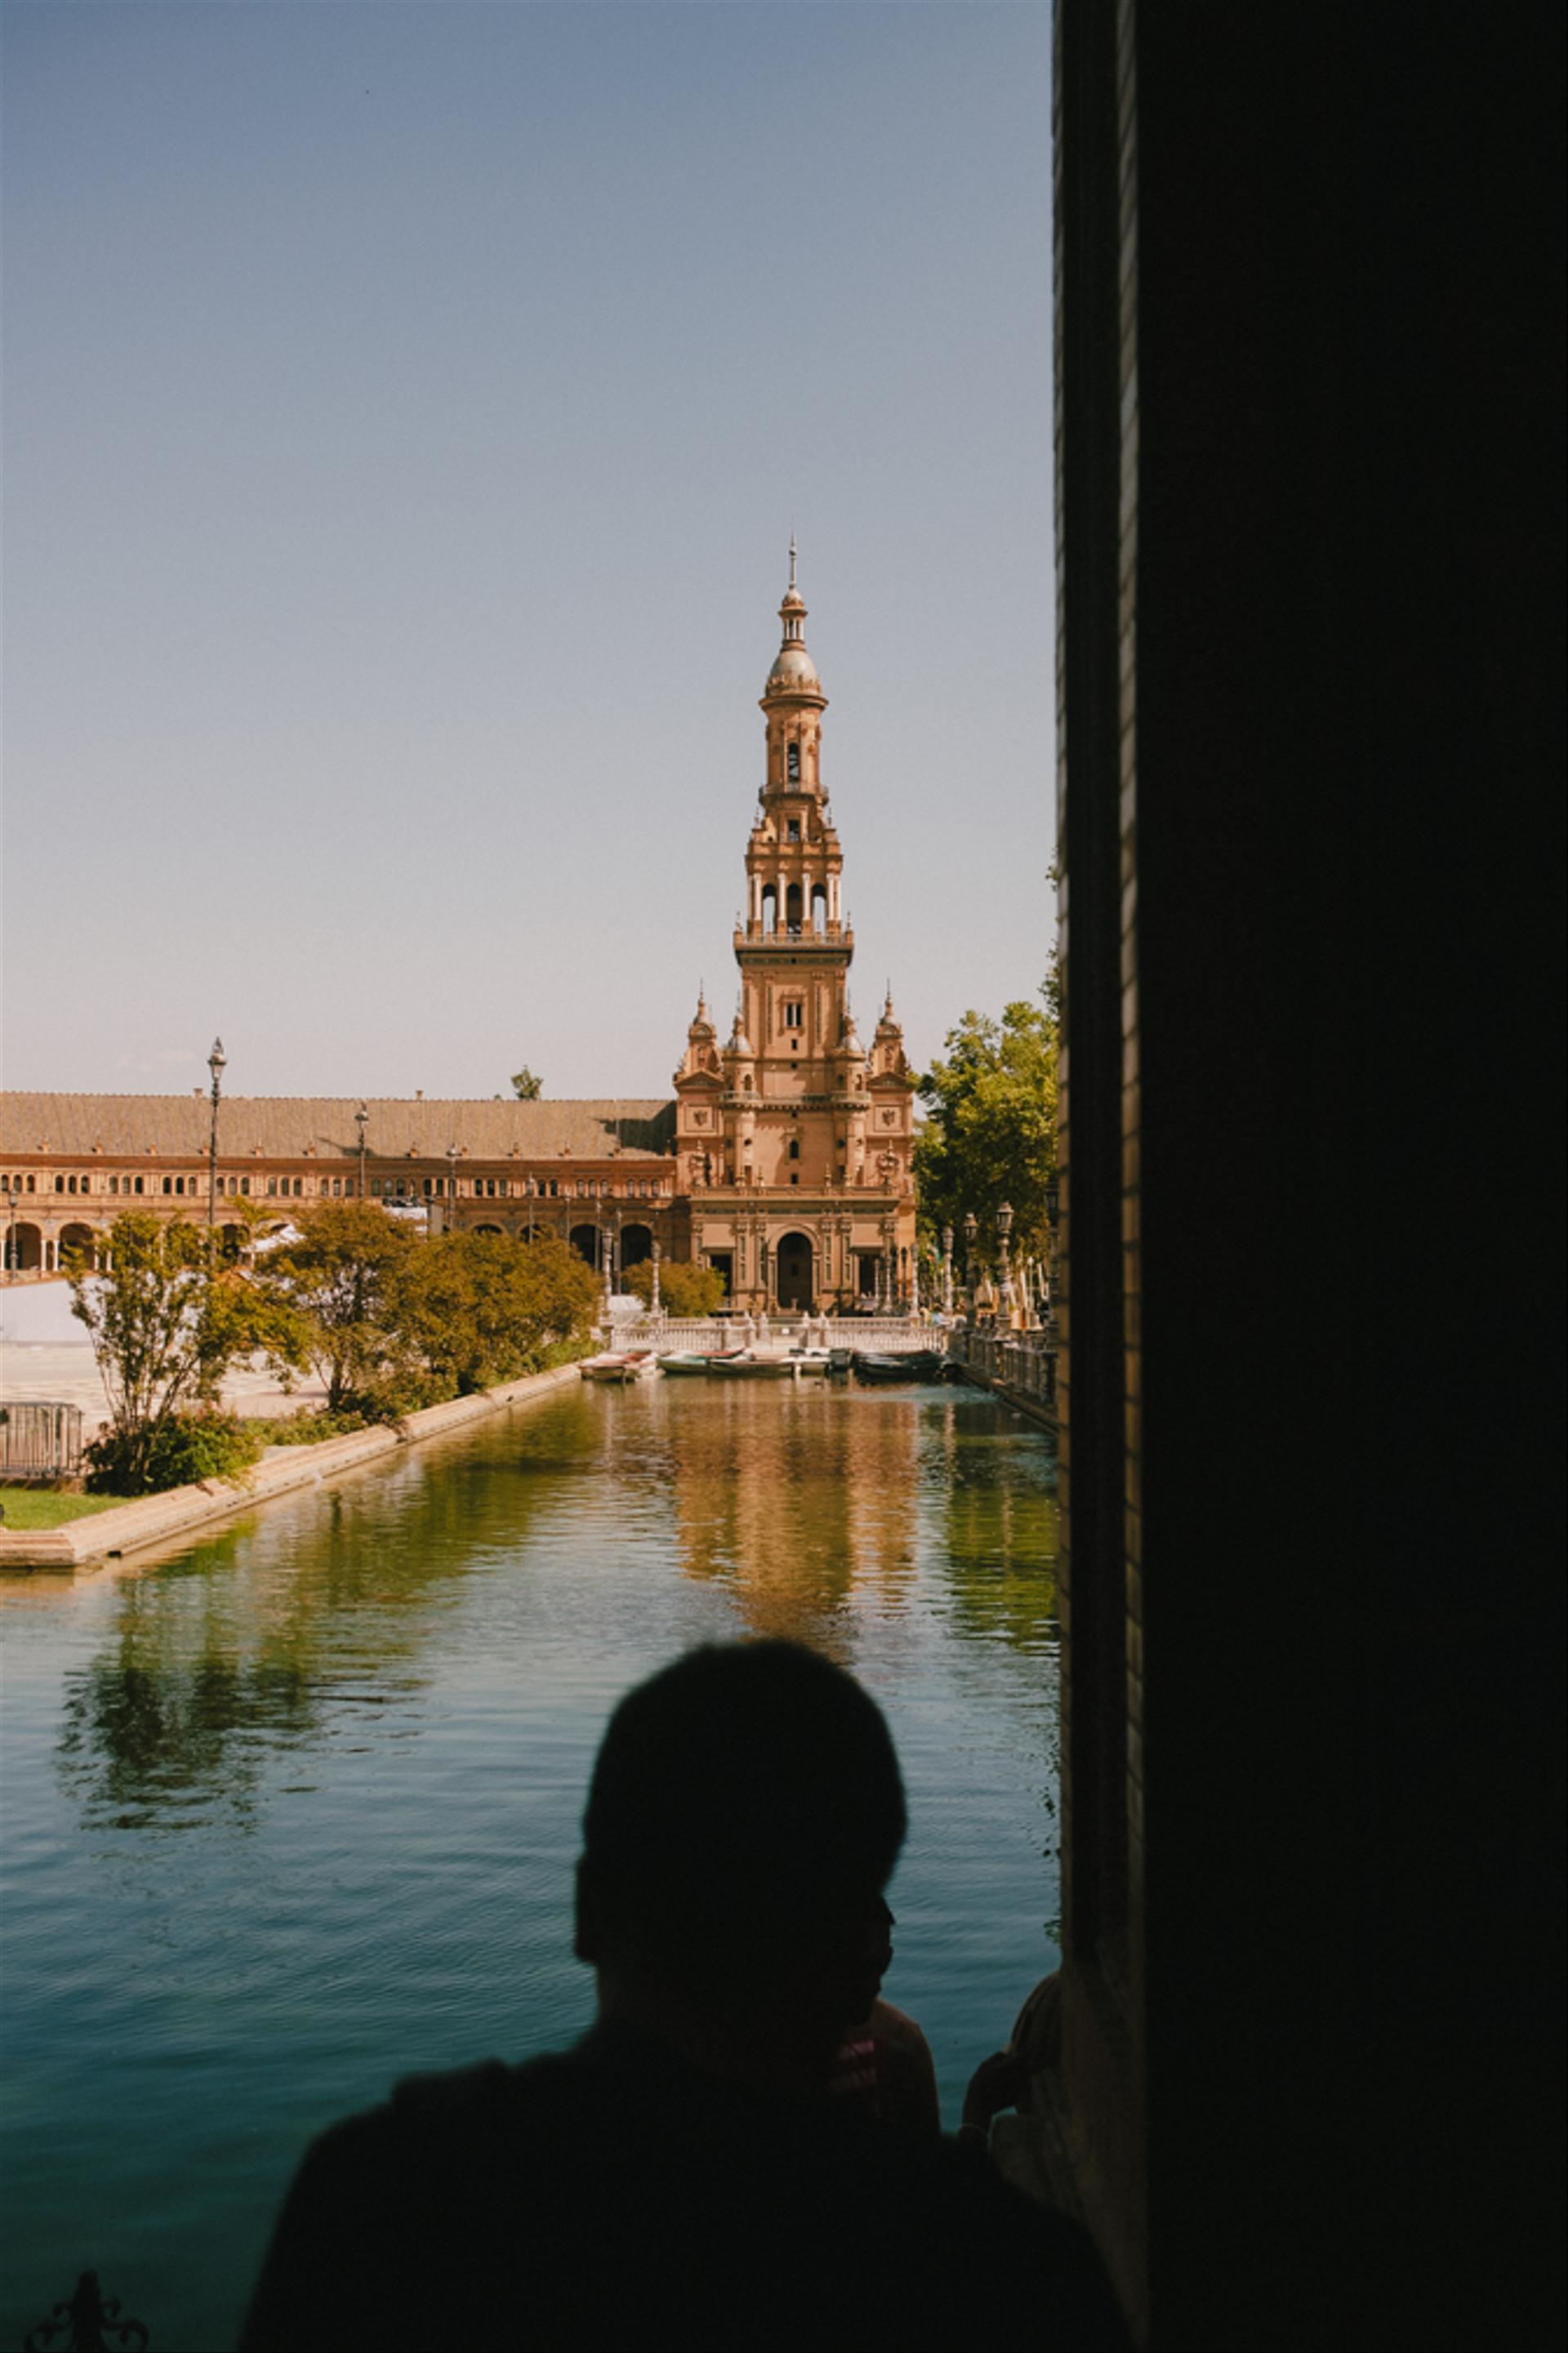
<point x="407" y="407"/>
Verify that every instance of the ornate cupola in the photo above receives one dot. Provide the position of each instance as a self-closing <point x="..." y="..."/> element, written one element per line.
<point x="699" y="1084"/>
<point x="793" y="702"/>
<point x="891" y="1123"/>
<point x="793" y="864"/>
<point x="889" y="1060"/>
<point x="701" y="1057"/>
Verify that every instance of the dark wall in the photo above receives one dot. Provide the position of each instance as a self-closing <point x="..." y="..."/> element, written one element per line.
<point x="1348" y="781"/>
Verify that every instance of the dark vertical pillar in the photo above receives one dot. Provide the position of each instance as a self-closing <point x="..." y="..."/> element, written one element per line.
<point x="1310" y="548"/>
<point x="1100" y="2045"/>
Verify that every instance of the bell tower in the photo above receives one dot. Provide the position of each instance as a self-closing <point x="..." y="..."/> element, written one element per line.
<point x="793" y="864"/>
<point x="798" y="1161"/>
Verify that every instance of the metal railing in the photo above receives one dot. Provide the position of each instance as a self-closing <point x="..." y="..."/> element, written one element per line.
<point x="40" y="1437"/>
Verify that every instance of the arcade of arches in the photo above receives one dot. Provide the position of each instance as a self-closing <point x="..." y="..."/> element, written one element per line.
<point x="783" y="1161"/>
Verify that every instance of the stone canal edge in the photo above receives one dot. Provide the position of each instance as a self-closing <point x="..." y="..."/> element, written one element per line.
<point x="102" y="1537"/>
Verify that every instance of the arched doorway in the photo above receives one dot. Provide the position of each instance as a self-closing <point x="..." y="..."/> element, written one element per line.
<point x="793" y="1260"/>
<point x="637" y="1244"/>
<point x="584" y="1240"/>
<point x="24" y="1248"/>
<point x="79" y="1247"/>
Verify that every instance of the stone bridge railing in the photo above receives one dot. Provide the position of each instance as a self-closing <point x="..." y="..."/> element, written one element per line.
<point x="890" y="1335"/>
<point x="1022" y="1363"/>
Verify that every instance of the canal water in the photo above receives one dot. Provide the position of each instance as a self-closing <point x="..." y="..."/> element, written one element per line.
<point x="295" y="1813"/>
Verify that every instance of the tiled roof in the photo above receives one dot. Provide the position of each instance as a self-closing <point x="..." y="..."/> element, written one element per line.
<point x="287" y="1127"/>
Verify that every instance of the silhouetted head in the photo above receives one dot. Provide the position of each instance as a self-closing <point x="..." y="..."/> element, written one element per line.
<point x="745" y="1812"/>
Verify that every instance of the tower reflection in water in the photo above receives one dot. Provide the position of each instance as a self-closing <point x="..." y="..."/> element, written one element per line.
<point x="817" y="1505"/>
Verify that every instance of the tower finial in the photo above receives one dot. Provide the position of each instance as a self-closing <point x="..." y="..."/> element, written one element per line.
<point x="792" y="562"/>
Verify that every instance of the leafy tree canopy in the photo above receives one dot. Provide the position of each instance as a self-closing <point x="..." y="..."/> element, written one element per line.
<point x="334" y="1286"/>
<point x="470" y="1310"/>
<point x="525" y="1086"/>
<point x="990" y="1132"/>
<point x="683" y="1288"/>
<point x="166" y="1323"/>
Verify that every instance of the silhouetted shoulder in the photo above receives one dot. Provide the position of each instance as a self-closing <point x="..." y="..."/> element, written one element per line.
<point x="611" y="2199"/>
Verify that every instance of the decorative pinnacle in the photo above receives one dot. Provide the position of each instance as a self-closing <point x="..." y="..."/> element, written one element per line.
<point x="792" y="562"/>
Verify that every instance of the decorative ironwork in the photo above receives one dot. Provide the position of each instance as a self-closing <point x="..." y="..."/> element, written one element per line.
<point x="88" y="2323"/>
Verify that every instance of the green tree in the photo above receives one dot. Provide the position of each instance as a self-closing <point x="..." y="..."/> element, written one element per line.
<point x="166" y="1325"/>
<point x="334" y="1287"/>
<point x="473" y="1309"/>
<point x="990" y="1132"/>
<point x="683" y="1288"/>
<point x="525" y="1086"/>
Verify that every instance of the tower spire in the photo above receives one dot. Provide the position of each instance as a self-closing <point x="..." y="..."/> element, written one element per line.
<point x="792" y="586"/>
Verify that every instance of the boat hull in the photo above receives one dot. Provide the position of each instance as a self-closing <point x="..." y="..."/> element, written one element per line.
<point x="615" y="1367"/>
<point x="882" y="1371"/>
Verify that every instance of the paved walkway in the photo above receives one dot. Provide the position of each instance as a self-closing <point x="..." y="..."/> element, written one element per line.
<point x="45" y="1353"/>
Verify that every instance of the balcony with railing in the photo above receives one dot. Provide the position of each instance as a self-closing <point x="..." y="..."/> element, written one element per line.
<point x="796" y="937"/>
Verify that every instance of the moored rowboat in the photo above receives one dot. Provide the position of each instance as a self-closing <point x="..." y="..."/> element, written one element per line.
<point x="913" y="1365"/>
<point x="619" y="1365"/>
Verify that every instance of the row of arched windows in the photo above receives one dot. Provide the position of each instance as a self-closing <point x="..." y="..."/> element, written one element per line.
<point x="194" y="1187"/>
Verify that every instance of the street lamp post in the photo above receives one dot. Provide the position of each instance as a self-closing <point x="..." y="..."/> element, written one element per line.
<point x="452" y="1187"/>
<point x="947" y="1270"/>
<point x="362" y="1121"/>
<point x="216" y="1064"/>
<point x="1004" y="1228"/>
<point x="970" y="1237"/>
<point x="655" y="1302"/>
<point x="13" y="1195"/>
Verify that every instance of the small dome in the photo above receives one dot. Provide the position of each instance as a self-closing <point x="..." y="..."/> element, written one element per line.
<point x="738" y="1041"/>
<point x="793" y="668"/>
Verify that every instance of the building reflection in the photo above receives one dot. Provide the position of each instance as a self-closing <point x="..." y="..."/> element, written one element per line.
<point x="811" y="1505"/>
<point x="800" y="1504"/>
<point x="813" y="1509"/>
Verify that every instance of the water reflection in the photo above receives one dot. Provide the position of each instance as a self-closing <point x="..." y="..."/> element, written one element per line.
<point x="273" y="1637"/>
<point x="999" y="1528"/>
<point x="297" y="1811"/>
<point x="810" y="1510"/>
<point x="796" y="1502"/>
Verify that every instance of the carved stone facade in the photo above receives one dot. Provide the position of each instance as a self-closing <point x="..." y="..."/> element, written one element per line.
<point x="794" y="1142"/>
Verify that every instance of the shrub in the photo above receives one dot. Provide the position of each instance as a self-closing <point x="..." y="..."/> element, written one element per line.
<point x="309" y="1428"/>
<point x="683" y="1288"/>
<point x="182" y="1448"/>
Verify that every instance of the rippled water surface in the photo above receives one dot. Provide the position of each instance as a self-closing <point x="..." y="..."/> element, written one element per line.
<point x="295" y="1813"/>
